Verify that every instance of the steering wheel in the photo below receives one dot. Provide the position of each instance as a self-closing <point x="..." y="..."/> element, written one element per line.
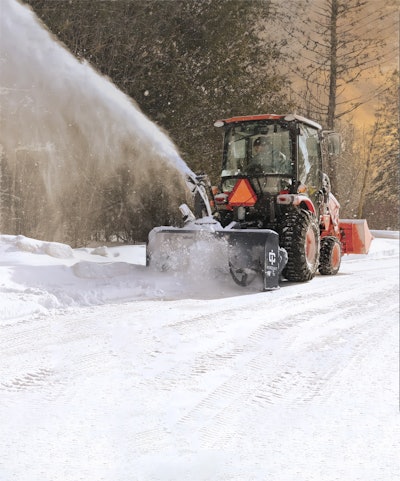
<point x="255" y="169"/>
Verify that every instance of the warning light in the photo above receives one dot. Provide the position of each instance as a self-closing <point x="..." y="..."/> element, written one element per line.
<point x="242" y="194"/>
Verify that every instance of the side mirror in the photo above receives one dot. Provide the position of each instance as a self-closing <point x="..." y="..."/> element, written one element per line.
<point x="334" y="142"/>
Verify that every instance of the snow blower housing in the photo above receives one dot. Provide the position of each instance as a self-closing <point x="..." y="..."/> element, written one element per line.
<point x="274" y="207"/>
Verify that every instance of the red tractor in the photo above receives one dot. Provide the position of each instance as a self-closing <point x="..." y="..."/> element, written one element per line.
<point x="274" y="203"/>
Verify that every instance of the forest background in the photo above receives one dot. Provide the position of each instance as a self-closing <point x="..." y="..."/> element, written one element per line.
<point x="187" y="63"/>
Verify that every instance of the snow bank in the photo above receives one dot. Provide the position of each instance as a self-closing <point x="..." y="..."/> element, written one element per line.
<point x="53" y="249"/>
<point x="37" y="277"/>
<point x="386" y="234"/>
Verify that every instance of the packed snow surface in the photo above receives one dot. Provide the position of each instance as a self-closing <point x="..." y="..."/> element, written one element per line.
<point x="113" y="371"/>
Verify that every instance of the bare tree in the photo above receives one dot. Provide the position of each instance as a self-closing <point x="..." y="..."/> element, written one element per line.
<point x="343" y="42"/>
<point x="381" y="200"/>
<point x="370" y="147"/>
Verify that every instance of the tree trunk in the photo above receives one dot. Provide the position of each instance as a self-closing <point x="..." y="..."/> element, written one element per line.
<point x="367" y="170"/>
<point x="330" y="121"/>
<point x="333" y="67"/>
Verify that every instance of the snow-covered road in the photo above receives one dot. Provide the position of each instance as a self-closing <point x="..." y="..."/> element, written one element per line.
<point x="295" y="384"/>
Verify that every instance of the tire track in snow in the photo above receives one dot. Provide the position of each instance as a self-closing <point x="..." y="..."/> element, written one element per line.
<point x="41" y="357"/>
<point x="290" y="387"/>
<point x="261" y="383"/>
<point x="31" y="380"/>
<point x="258" y="381"/>
<point x="226" y="354"/>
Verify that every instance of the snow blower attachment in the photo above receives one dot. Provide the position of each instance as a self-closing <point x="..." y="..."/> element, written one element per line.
<point x="274" y="213"/>
<point x="245" y="253"/>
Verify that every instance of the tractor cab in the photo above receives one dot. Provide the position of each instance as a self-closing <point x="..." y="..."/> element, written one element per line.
<point x="259" y="150"/>
<point x="273" y="155"/>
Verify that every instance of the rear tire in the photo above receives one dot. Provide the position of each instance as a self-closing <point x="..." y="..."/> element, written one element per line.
<point x="299" y="235"/>
<point x="330" y="256"/>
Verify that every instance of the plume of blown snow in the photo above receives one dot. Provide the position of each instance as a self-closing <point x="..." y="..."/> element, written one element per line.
<point x="67" y="130"/>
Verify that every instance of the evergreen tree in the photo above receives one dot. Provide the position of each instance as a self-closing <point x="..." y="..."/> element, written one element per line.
<point x="186" y="62"/>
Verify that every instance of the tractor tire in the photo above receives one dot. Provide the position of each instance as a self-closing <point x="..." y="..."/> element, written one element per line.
<point x="299" y="235"/>
<point x="330" y="256"/>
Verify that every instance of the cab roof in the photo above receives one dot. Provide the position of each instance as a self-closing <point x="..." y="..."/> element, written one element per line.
<point x="249" y="118"/>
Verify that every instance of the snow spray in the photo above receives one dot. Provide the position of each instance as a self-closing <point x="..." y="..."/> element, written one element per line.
<point x="72" y="128"/>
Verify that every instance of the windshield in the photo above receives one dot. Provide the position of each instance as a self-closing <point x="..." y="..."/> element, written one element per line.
<point x="257" y="148"/>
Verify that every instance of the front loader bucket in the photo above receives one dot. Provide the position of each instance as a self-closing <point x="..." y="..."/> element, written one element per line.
<point x="356" y="237"/>
<point x="245" y="253"/>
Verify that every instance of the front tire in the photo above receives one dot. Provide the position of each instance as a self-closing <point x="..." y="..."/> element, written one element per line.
<point x="299" y="235"/>
<point x="330" y="256"/>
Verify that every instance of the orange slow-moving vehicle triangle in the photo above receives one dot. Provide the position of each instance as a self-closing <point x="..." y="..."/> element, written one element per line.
<point x="242" y="194"/>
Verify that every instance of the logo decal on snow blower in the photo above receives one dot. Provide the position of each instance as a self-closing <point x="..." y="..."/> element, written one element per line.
<point x="272" y="257"/>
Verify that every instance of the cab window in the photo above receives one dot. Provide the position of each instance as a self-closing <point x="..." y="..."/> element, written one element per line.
<point x="309" y="158"/>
